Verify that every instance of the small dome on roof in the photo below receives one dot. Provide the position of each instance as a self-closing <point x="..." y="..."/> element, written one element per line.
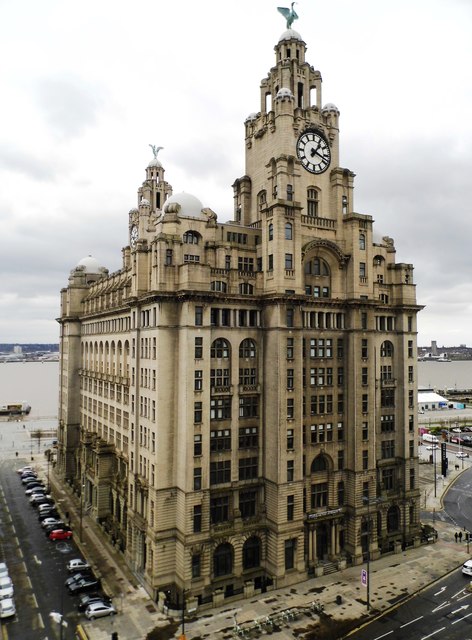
<point x="251" y="116"/>
<point x="90" y="265"/>
<point x="187" y="205"/>
<point x="283" y="92"/>
<point x="155" y="163"/>
<point x="145" y="202"/>
<point x="134" y="210"/>
<point x="330" y="107"/>
<point x="290" y="34"/>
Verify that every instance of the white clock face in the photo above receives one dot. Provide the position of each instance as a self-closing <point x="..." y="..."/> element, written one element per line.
<point x="133" y="236"/>
<point x="313" y="151"/>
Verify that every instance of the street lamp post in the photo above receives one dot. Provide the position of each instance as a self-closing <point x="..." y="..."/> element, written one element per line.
<point x="434" y="467"/>
<point x="82" y="488"/>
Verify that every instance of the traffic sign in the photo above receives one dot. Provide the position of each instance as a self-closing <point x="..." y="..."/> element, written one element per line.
<point x="364" y="577"/>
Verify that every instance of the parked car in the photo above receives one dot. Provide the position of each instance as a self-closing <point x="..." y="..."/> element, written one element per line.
<point x="48" y="520"/>
<point x="99" y="609"/>
<point x="467" y="568"/>
<point x="60" y="534"/>
<point x="7" y="608"/>
<point x="462" y="454"/>
<point x="40" y="498"/>
<point x="86" y="584"/>
<point x="56" y="527"/>
<point x="48" y="513"/>
<point x="77" y="564"/>
<point x="6" y="588"/>
<point x="85" y="599"/>
<point x="35" y="488"/>
<point x="77" y="577"/>
<point x="432" y="447"/>
<point x="29" y="479"/>
<point x="3" y="570"/>
<point x="24" y="469"/>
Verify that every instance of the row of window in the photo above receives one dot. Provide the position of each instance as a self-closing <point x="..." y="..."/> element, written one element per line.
<point x="220" y="472"/>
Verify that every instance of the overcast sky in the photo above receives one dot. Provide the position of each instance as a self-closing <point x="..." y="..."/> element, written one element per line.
<point x="87" y="86"/>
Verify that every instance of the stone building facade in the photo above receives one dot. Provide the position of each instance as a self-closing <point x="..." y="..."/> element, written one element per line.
<point x="238" y="401"/>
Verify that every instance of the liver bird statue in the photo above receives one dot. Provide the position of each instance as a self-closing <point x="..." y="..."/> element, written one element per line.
<point x="289" y="14"/>
<point x="155" y="149"/>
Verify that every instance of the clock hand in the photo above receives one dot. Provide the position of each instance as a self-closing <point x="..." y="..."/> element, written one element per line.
<point x="315" y="151"/>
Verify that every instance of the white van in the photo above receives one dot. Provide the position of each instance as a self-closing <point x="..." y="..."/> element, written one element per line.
<point x="428" y="437"/>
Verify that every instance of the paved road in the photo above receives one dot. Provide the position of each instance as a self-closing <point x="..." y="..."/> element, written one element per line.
<point x="37" y="566"/>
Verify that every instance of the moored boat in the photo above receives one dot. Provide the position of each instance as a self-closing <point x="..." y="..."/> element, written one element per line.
<point x="15" y="409"/>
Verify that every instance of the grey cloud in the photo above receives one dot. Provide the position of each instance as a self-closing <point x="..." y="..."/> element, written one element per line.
<point x="69" y="104"/>
<point x="28" y="163"/>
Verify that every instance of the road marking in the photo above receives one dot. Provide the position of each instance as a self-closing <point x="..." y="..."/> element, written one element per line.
<point x="464" y="606"/>
<point x="458" y="593"/>
<point x="385" y="634"/>
<point x="438" y="593"/>
<point x="37" y="560"/>
<point x="35" y="602"/>
<point x="434" y="633"/>
<point x="441" y="606"/>
<point x="463" y="618"/>
<point x="411" y="622"/>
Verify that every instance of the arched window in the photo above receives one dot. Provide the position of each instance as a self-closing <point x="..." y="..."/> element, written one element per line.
<point x="271" y="231"/>
<point x="191" y="237"/>
<point x="362" y="241"/>
<point x="288" y="231"/>
<point x="252" y="553"/>
<point x="220" y="348"/>
<point x="393" y="519"/>
<point x="262" y="199"/>
<point x="317" y="267"/>
<point x="386" y="349"/>
<point x="223" y="560"/>
<point x="319" y="464"/>
<point x="218" y="285"/>
<point x="312" y="202"/>
<point x="247" y="349"/>
<point x="246" y="289"/>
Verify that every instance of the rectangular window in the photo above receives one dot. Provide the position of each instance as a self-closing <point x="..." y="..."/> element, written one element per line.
<point x="290" y="507"/>
<point x="387" y="423"/>
<point x="365" y="403"/>
<point x="411" y="399"/>
<point x="198" y="380"/>
<point x="290" y="470"/>
<point x="220" y="440"/>
<point x="411" y="445"/>
<point x="340" y="431"/>
<point x="247" y="504"/>
<point x="364" y="348"/>
<point x="290" y="408"/>
<point x="290" y="546"/>
<point x="288" y="261"/>
<point x="365" y="459"/>
<point x="245" y="264"/>
<point x="388" y="449"/>
<point x="410" y="374"/>
<point x="169" y="254"/>
<point x="271" y="262"/>
<point x="290" y="317"/>
<point x="198" y="348"/>
<point x="220" y="408"/>
<point x="248" y="437"/>
<point x="388" y="479"/>
<point x="365" y="376"/>
<point x="196" y="565"/>
<point x="248" y="406"/>
<point x="197" y="444"/>
<point x="290" y="348"/>
<point x="248" y="377"/>
<point x="362" y="270"/>
<point x="319" y="495"/>
<point x="197" y="412"/>
<point x="220" y="472"/>
<point x="387" y="398"/>
<point x="219" y="509"/>
<point x="290" y="379"/>
<point x="290" y="438"/>
<point x="412" y="478"/>
<point x="248" y="468"/>
<point x="340" y="376"/>
<point x="341" y="459"/>
<point x="363" y="320"/>
<point x="340" y="348"/>
<point x="197" y="478"/>
<point x="219" y="378"/>
<point x="197" y="518"/>
<point x="410" y="348"/>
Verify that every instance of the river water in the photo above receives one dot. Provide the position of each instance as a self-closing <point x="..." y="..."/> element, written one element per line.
<point x="38" y="382"/>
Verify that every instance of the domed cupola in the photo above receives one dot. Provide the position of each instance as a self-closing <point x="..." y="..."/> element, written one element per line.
<point x="185" y="205"/>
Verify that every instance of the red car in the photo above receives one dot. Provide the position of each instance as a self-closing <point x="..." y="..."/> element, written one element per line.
<point x="60" y="534"/>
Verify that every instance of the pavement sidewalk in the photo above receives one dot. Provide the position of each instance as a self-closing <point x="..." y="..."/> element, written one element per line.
<point x="343" y="597"/>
